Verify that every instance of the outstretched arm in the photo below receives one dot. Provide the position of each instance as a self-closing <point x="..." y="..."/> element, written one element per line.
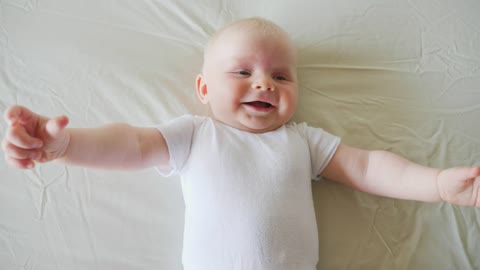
<point x="31" y="138"/>
<point x="386" y="174"/>
<point x="115" y="146"/>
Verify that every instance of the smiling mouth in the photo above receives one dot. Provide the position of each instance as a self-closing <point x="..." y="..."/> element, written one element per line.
<point x="259" y="104"/>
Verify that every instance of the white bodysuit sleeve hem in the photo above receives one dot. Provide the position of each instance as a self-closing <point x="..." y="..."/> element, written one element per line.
<point x="178" y="134"/>
<point x="322" y="145"/>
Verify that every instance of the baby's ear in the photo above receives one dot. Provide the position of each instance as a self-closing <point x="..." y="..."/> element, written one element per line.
<point x="202" y="89"/>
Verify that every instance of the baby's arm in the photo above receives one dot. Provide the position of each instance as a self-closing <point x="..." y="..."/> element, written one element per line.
<point x="386" y="174"/>
<point x="116" y="146"/>
<point x="31" y="137"/>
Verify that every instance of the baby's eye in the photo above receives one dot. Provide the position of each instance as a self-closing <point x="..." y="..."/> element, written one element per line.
<point x="280" y="78"/>
<point x="243" y="73"/>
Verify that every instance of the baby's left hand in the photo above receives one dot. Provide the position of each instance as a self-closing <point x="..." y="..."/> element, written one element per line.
<point x="460" y="185"/>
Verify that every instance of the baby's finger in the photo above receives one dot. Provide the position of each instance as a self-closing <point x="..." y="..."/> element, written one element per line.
<point x="17" y="113"/>
<point x="20" y="163"/>
<point x="475" y="172"/>
<point x="55" y="126"/>
<point x="468" y="172"/>
<point x="18" y="136"/>
<point x="19" y="153"/>
<point x="464" y="173"/>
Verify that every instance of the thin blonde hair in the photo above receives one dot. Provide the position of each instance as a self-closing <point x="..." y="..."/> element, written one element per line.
<point x="257" y="24"/>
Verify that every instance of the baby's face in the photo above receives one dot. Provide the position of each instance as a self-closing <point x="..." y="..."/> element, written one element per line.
<point x="250" y="80"/>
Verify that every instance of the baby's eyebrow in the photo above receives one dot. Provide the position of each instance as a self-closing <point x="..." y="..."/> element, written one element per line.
<point x="285" y="70"/>
<point x="240" y="60"/>
<point x="237" y="64"/>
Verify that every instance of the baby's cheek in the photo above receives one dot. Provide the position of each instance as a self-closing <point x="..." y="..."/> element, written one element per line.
<point x="226" y="106"/>
<point x="288" y="103"/>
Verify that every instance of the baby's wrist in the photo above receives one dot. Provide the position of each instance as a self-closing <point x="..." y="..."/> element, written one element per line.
<point x="438" y="184"/>
<point x="66" y="145"/>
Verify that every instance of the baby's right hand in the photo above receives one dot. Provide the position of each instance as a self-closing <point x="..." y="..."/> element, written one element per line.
<point x="31" y="137"/>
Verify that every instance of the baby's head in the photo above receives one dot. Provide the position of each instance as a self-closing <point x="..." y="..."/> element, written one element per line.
<point x="249" y="76"/>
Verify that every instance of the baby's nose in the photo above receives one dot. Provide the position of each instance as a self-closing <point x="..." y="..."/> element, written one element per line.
<point x="263" y="85"/>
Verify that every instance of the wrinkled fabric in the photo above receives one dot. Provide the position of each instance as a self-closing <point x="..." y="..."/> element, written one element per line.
<point x="402" y="76"/>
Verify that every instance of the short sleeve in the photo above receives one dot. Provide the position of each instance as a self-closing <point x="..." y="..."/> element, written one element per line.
<point x="178" y="134"/>
<point x="322" y="145"/>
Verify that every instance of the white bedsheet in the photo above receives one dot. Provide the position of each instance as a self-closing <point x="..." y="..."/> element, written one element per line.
<point x="397" y="75"/>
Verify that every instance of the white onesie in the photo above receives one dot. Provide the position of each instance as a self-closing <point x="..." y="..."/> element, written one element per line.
<point x="248" y="196"/>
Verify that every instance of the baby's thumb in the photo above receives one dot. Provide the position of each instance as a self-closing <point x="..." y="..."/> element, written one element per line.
<point x="55" y="126"/>
<point x="464" y="173"/>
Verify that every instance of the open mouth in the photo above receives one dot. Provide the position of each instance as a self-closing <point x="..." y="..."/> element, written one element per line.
<point x="259" y="104"/>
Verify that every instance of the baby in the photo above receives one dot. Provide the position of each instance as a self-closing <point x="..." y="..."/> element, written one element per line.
<point x="246" y="171"/>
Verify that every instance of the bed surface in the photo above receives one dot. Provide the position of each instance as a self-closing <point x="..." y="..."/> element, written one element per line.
<point x="403" y="76"/>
